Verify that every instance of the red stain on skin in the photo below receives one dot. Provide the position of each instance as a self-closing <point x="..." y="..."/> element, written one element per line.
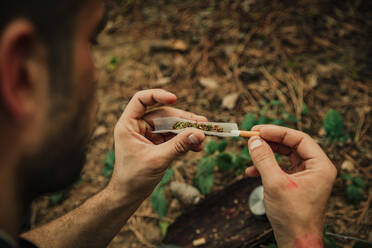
<point x="292" y="185"/>
<point x="307" y="241"/>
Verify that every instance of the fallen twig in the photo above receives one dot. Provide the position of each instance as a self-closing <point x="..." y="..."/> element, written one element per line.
<point x="366" y="207"/>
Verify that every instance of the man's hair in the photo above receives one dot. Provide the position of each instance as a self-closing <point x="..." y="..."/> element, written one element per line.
<point x="55" y="23"/>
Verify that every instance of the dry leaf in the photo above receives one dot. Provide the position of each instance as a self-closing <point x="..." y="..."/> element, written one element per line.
<point x="254" y="52"/>
<point x="347" y="166"/>
<point x="100" y="130"/>
<point x="180" y="45"/>
<point x="208" y="83"/>
<point x="229" y="101"/>
<point x="164" y="81"/>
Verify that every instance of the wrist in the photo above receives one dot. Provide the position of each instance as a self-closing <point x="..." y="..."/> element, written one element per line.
<point x="308" y="237"/>
<point x="120" y="197"/>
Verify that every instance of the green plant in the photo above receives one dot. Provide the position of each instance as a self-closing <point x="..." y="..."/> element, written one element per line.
<point x="284" y="118"/>
<point x="109" y="163"/>
<point x="113" y="63"/>
<point x="204" y="177"/>
<point x="334" y="126"/>
<point x="56" y="197"/>
<point x="354" y="189"/>
<point x="164" y="227"/>
<point x="329" y="242"/>
<point x="159" y="203"/>
<point x="216" y="156"/>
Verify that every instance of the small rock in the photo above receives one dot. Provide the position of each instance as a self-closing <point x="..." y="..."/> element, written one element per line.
<point x="229" y="101"/>
<point x="322" y="132"/>
<point x="199" y="242"/>
<point x="185" y="193"/>
<point x="164" y="81"/>
<point x="347" y="166"/>
<point x="100" y="130"/>
<point x="180" y="45"/>
<point x="312" y="80"/>
<point x="208" y="83"/>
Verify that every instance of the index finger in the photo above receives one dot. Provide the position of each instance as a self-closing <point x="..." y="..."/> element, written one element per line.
<point x="136" y="107"/>
<point x="299" y="141"/>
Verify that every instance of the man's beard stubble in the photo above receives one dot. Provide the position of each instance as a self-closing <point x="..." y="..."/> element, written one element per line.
<point x="59" y="162"/>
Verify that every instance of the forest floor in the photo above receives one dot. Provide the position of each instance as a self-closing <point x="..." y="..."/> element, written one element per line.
<point x="316" y="53"/>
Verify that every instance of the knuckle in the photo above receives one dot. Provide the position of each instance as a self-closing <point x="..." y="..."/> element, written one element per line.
<point x="138" y="94"/>
<point x="180" y="147"/>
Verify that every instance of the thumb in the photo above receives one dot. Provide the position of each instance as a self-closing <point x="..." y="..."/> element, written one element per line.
<point x="264" y="159"/>
<point x="189" y="139"/>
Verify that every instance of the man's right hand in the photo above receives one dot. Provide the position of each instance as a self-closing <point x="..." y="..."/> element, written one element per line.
<point x="295" y="203"/>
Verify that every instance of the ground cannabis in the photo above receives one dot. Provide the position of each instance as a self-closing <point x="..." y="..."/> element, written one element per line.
<point x="201" y="126"/>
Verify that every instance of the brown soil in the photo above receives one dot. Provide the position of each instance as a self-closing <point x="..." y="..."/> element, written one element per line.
<point x="317" y="52"/>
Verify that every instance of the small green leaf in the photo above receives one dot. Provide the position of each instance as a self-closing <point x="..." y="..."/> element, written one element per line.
<point x="354" y="194"/>
<point x="204" y="176"/>
<point x="357" y="181"/>
<point x="289" y="64"/>
<point x="113" y="60"/>
<point x="277" y="122"/>
<point x="334" y="125"/>
<point x="291" y="118"/>
<point x="112" y="63"/>
<point x="78" y="182"/>
<point x="262" y="120"/>
<point x="277" y="157"/>
<point x="237" y="138"/>
<point x="344" y="138"/>
<point x="248" y="122"/>
<point x="276" y="102"/>
<point x="244" y="154"/>
<point x="346" y="177"/>
<point x="164" y="227"/>
<point x="239" y="163"/>
<point x="305" y="109"/>
<point x="110" y="159"/>
<point x="167" y="176"/>
<point x="222" y="145"/>
<point x="264" y="111"/>
<point x="109" y="162"/>
<point x="224" y="162"/>
<point x="211" y="147"/>
<point x="206" y="166"/>
<point x="204" y="183"/>
<point x="107" y="172"/>
<point x="329" y="242"/>
<point x="56" y="198"/>
<point x="159" y="204"/>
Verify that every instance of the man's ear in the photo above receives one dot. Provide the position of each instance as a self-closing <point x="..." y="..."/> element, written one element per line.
<point x="17" y="75"/>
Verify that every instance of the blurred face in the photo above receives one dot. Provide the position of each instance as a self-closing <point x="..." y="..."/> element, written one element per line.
<point x="60" y="159"/>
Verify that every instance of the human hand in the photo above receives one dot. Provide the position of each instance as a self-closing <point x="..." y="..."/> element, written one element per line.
<point x="141" y="158"/>
<point x="295" y="203"/>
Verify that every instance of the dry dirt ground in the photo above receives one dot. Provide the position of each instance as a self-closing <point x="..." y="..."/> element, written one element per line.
<point x="313" y="52"/>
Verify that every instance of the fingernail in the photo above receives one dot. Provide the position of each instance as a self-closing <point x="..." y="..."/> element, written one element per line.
<point x="194" y="140"/>
<point x="256" y="143"/>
